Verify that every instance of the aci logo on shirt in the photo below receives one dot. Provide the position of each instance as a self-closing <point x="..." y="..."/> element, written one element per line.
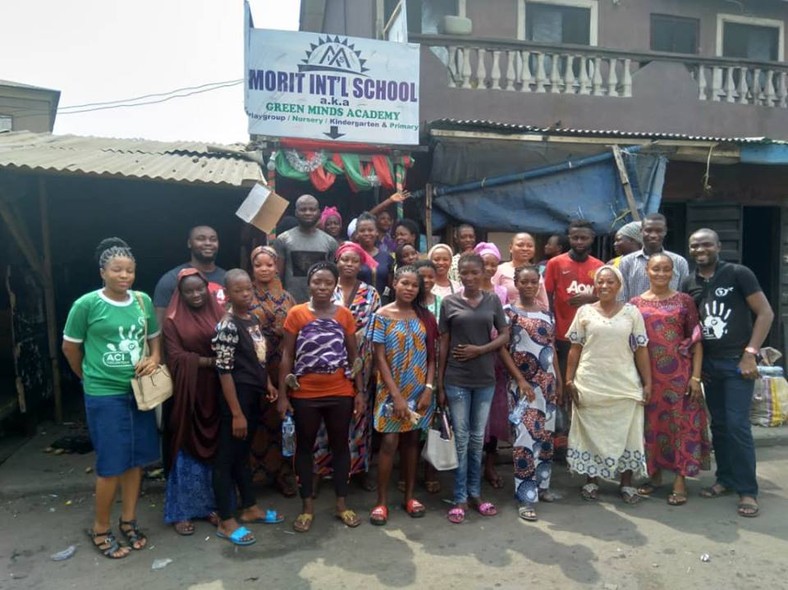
<point x="127" y="352"/>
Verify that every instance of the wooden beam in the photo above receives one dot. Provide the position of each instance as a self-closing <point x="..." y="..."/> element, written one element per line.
<point x="18" y="231"/>
<point x="536" y="136"/>
<point x="622" y="173"/>
<point x="49" y="299"/>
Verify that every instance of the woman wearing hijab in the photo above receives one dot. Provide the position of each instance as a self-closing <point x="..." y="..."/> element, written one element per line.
<point x="270" y="305"/>
<point x="189" y="324"/>
<point x="608" y="375"/>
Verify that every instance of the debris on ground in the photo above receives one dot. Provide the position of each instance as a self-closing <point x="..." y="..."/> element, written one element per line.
<point x="160" y="564"/>
<point x="67" y="553"/>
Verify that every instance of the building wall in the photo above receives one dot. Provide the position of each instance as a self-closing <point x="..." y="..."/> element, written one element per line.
<point x="31" y="109"/>
<point x="665" y="94"/>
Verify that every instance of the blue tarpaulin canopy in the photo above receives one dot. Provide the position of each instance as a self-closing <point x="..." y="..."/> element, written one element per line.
<point x="546" y="199"/>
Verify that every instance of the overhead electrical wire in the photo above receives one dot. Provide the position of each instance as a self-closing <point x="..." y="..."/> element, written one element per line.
<point x="155" y="95"/>
<point x="137" y="101"/>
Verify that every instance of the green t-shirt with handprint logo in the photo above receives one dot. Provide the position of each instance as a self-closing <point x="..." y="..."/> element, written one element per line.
<point x="111" y="334"/>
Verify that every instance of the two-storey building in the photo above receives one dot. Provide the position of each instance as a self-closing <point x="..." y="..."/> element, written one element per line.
<point x="704" y="82"/>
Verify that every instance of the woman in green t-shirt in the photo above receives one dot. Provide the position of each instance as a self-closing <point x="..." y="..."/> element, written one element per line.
<point x="103" y="344"/>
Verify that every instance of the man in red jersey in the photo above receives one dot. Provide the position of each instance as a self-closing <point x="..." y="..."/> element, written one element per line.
<point x="569" y="281"/>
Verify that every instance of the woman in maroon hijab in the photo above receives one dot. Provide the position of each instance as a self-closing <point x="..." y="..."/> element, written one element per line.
<point x="189" y="324"/>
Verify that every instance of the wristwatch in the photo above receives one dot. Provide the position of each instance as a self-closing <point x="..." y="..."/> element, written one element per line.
<point x="753" y="351"/>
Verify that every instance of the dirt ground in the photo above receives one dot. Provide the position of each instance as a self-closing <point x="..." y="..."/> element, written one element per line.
<point x="575" y="544"/>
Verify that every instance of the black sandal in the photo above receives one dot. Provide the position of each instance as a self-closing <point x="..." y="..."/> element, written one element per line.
<point x="109" y="547"/>
<point x="133" y="534"/>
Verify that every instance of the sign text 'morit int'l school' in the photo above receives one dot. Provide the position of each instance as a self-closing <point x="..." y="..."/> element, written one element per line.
<point x="315" y="86"/>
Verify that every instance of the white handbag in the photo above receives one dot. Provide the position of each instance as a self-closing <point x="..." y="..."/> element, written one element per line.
<point x="440" y="450"/>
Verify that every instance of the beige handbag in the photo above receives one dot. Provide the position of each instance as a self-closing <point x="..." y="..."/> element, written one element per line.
<point x="151" y="390"/>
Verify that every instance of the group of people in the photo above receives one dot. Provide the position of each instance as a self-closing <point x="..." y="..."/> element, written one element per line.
<point x="360" y="342"/>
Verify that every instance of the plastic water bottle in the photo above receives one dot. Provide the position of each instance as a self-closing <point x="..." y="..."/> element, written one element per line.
<point x="288" y="436"/>
<point x="766" y="371"/>
<point x="516" y="415"/>
<point x="388" y="408"/>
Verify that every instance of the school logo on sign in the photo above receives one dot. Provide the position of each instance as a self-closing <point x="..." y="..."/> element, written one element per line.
<point x="333" y="55"/>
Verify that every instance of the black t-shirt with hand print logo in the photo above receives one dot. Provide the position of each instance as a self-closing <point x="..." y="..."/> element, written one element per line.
<point x="725" y="317"/>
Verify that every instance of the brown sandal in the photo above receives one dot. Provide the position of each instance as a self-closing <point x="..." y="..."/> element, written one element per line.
<point x="677" y="498"/>
<point x="303" y="523"/>
<point x="184" y="528"/>
<point x="432" y="487"/>
<point x="349" y="518"/>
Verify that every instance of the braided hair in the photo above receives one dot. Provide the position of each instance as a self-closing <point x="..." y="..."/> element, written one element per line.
<point x="322" y="265"/>
<point x="110" y="248"/>
<point x="425" y="315"/>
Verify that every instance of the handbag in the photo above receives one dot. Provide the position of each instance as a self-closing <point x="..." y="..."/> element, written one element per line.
<point x="440" y="450"/>
<point x="151" y="390"/>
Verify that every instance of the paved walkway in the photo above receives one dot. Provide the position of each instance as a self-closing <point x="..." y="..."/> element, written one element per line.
<point x="30" y="470"/>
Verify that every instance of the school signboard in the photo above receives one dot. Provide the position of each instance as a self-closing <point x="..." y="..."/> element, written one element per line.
<point x="331" y="87"/>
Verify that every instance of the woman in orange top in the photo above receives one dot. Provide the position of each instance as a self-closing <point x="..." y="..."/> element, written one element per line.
<point x="321" y="375"/>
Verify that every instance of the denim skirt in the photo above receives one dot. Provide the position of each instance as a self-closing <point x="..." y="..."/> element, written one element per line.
<point x="122" y="436"/>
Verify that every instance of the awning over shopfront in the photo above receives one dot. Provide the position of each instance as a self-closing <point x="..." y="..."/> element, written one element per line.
<point x="546" y="199"/>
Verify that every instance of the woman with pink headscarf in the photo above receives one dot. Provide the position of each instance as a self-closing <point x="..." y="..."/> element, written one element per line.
<point x="498" y="423"/>
<point x="331" y="223"/>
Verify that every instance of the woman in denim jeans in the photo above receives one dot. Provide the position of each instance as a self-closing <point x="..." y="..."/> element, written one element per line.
<point x="466" y="373"/>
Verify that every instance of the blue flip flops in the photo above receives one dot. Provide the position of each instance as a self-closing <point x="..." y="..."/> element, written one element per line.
<point x="237" y="536"/>
<point x="271" y="517"/>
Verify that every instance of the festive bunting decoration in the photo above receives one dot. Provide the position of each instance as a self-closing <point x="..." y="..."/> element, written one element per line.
<point x="322" y="168"/>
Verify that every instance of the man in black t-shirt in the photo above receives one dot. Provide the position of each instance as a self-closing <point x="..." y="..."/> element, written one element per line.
<point x="203" y="244"/>
<point x="727" y="296"/>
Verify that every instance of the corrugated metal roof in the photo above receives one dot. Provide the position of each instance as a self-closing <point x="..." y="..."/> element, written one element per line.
<point x="514" y="128"/>
<point x="12" y="84"/>
<point x="182" y="162"/>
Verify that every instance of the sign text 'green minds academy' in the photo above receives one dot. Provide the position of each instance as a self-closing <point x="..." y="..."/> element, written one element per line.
<point x="315" y="86"/>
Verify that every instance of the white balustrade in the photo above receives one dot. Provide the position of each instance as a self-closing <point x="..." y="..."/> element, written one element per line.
<point x="604" y="73"/>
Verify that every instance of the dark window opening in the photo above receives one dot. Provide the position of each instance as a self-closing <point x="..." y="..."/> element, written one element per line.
<point x="674" y="34"/>
<point x="551" y="23"/>
<point x="753" y="42"/>
<point x="424" y="16"/>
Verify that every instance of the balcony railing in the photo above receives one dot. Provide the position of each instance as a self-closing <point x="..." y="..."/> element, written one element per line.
<point x="517" y="66"/>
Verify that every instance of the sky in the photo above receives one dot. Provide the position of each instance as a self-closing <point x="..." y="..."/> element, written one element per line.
<point x="107" y="50"/>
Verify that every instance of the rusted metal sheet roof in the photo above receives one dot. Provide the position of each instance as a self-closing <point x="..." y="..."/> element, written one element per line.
<point x="179" y="162"/>
<point x="514" y="128"/>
